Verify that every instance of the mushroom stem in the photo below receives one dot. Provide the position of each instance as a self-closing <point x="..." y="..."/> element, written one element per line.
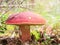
<point x="25" y="33"/>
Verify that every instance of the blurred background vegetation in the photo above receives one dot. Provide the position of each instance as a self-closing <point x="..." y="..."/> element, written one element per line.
<point x="49" y="9"/>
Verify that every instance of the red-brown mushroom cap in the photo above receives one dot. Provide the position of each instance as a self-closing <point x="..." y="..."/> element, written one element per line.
<point x="26" y="18"/>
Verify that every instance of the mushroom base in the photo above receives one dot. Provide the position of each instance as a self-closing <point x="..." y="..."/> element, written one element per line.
<point x="25" y="33"/>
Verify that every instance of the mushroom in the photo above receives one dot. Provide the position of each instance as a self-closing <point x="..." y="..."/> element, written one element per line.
<point x="24" y="20"/>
